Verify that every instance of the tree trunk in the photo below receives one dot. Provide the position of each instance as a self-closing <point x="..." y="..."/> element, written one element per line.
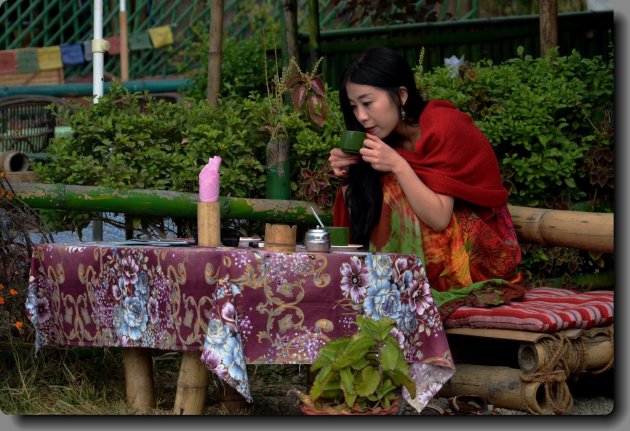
<point x="548" y="25"/>
<point x="313" y="30"/>
<point x="290" y="43"/>
<point x="214" y="52"/>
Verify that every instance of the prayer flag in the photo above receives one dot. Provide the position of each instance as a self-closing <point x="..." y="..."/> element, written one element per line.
<point x="8" y="63"/>
<point x="140" y="40"/>
<point x="72" y="55"/>
<point x="161" y="36"/>
<point x="87" y="50"/>
<point x="114" y="45"/>
<point x="27" y="60"/>
<point x="49" y="58"/>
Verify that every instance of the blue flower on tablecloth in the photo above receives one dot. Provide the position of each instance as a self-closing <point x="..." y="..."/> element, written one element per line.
<point x="236" y="290"/>
<point x="131" y="318"/>
<point x="142" y="286"/>
<point x="382" y="300"/>
<point x="216" y="335"/>
<point x="407" y="320"/>
<point x="380" y="266"/>
<point x="233" y="358"/>
<point x="219" y="293"/>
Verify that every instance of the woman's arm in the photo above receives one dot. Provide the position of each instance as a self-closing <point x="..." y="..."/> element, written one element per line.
<point x="433" y="209"/>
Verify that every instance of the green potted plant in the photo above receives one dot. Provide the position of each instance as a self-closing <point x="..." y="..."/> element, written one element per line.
<point x="360" y="374"/>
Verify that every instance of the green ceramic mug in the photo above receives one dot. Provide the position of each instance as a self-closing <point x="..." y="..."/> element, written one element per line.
<point x="338" y="235"/>
<point x="351" y="141"/>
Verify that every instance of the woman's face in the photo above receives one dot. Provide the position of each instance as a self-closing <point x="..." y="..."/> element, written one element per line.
<point x="374" y="109"/>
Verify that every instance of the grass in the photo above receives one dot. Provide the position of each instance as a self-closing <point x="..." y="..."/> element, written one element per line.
<point x="91" y="381"/>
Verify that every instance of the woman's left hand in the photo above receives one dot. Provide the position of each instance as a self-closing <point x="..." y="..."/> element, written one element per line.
<point x="381" y="156"/>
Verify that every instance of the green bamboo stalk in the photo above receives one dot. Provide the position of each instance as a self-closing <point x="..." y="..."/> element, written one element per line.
<point x="161" y="203"/>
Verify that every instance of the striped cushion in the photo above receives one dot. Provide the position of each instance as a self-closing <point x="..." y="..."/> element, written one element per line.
<point x="542" y="309"/>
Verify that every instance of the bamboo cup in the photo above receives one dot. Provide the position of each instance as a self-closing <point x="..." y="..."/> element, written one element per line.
<point x="280" y="237"/>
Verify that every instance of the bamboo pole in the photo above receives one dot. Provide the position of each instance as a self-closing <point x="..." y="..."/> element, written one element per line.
<point x="13" y="161"/>
<point x="192" y="385"/>
<point x="193" y="380"/>
<point x="215" y="52"/>
<point x="548" y="25"/>
<point x="139" y="379"/>
<point x="576" y="229"/>
<point x="503" y="387"/>
<point x="160" y="203"/>
<point x="583" y="353"/>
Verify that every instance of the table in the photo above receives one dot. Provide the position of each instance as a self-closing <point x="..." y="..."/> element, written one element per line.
<point x="236" y="306"/>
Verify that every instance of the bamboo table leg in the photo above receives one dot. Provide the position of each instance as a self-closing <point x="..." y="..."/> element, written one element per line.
<point x="192" y="385"/>
<point x="139" y="379"/>
<point x="230" y="400"/>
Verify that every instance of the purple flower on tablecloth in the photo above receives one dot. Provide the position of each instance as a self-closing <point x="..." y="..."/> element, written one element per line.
<point x="118" y="289"/>
<point x="131" y="319"/>
<point x="152" y="308"/>
<point x="382" y="300"/>
<point x="407" y="321"/>
<point x="399" y="336"/>
<point x="37" y="309"/>
<point x="228" y="312"/>
<point x="380" y="266"/>
<point x="212" y="359"/>
<point x="129" y="269"/>
<point x="355" y="278"/>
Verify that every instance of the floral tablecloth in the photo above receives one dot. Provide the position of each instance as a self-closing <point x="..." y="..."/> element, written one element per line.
<point x="237" y="305"/>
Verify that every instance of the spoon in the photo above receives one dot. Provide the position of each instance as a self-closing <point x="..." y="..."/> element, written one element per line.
<point x="317" y="217"/>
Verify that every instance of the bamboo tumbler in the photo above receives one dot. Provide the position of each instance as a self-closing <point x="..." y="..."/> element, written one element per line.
<point x="280" y="237"/>
<point x="208" y="224"/>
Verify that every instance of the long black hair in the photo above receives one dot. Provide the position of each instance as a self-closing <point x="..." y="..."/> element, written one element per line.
<point x="383" y="68"/>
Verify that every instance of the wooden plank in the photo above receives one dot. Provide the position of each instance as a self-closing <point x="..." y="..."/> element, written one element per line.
<point x="505" y="334"/>
<point x="42" y="77"/>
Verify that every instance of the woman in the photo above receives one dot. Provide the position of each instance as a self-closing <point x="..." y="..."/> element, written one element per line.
<point x="426" y="182"/>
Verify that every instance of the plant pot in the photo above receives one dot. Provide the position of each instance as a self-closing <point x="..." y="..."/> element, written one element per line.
<point x="309" y="409"/>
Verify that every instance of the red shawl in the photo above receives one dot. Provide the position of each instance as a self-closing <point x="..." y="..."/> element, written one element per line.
<point x="452" y="157"/>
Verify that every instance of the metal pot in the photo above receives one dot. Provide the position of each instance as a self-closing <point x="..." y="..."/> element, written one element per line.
<point x="317" y="240"/>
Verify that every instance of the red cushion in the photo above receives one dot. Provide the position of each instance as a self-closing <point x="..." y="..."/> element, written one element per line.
<point x="542" y="309"/>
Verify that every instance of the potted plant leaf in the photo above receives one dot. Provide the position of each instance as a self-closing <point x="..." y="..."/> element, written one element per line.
<point x="361" y="374"/>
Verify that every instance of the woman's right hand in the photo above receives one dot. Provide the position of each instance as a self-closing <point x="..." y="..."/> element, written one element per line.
<point x="340" y="161"/>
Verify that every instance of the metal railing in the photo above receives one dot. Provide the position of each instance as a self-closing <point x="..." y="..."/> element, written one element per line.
<point x="41" y="23"/>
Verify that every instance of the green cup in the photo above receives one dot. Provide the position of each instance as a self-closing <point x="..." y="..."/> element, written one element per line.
<point x="338" y="235"/>
<point x="351" y="141"/>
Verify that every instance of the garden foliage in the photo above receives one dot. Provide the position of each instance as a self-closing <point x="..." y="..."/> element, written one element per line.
<point x="550" y="121"/>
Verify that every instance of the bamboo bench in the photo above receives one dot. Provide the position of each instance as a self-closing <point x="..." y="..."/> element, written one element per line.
<point x="544" y="361"/>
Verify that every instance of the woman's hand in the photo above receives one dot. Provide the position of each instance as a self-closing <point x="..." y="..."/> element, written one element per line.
<point x="340" y="161"/>
<point x="381" y="156"/>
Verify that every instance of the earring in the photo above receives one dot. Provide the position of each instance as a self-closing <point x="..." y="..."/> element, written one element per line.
<point x="403" y="114"/>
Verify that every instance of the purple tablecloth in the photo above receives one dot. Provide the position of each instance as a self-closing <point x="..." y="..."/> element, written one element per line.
<point x="236" y="305"/>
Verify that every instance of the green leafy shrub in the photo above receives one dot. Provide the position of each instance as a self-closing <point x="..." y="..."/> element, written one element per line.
<point x="550" y="123"/>
<point x="362" y="372"/>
